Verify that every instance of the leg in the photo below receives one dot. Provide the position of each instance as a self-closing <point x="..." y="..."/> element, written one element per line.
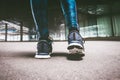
<point x="75" y="41"/>
<point x="39" y="11"/>
<point x="70" y="13"/>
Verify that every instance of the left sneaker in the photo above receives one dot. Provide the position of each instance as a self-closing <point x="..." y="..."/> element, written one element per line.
<point x="44" y="49"/>
<point x="75" y="46"/>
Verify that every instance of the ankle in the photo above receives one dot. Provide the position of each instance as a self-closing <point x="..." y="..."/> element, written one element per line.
<point x="73" y="30"/>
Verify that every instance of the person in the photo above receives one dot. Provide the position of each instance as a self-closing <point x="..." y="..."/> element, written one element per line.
<point x="44" y="46"/>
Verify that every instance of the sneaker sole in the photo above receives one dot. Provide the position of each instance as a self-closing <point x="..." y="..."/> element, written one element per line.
<point x="42" y="56"/>
<point x="75" y="50"/>
<point x="75" y="53"/>
<point x="75" y="44"/>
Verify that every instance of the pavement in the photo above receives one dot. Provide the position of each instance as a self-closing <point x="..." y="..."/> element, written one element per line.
<point x="102" y="62"/>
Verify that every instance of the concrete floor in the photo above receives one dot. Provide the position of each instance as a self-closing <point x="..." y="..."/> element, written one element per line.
<point x="102" y="62"/>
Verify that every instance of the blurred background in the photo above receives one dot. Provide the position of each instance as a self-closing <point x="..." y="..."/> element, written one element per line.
<point x="98" y="19"/>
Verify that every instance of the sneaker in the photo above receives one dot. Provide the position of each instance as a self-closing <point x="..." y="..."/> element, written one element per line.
<point x="44" y="48"/>
<point x="75" y="46"/>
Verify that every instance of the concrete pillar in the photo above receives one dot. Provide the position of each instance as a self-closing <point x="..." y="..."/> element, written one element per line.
<point x="21" y="31"/>
<point x="6" y="31"/>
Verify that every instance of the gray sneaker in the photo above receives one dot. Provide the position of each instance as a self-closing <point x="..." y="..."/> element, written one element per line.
<point x="75" y="45"/>
<point x="44" y="48"/>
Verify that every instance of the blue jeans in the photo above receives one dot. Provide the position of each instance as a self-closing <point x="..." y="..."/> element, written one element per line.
<point x="39" y="11"/>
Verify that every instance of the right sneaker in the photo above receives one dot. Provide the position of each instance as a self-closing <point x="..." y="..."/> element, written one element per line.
<point x="44" y="48"/>
<point x="75" y="46"/>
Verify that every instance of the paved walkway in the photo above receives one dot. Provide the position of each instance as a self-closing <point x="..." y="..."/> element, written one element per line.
<point x="102" y="62"/>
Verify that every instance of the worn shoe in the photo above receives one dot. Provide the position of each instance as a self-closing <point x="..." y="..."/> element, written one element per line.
<point x="75" y="46"/>
<point x="44" y="48"/>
